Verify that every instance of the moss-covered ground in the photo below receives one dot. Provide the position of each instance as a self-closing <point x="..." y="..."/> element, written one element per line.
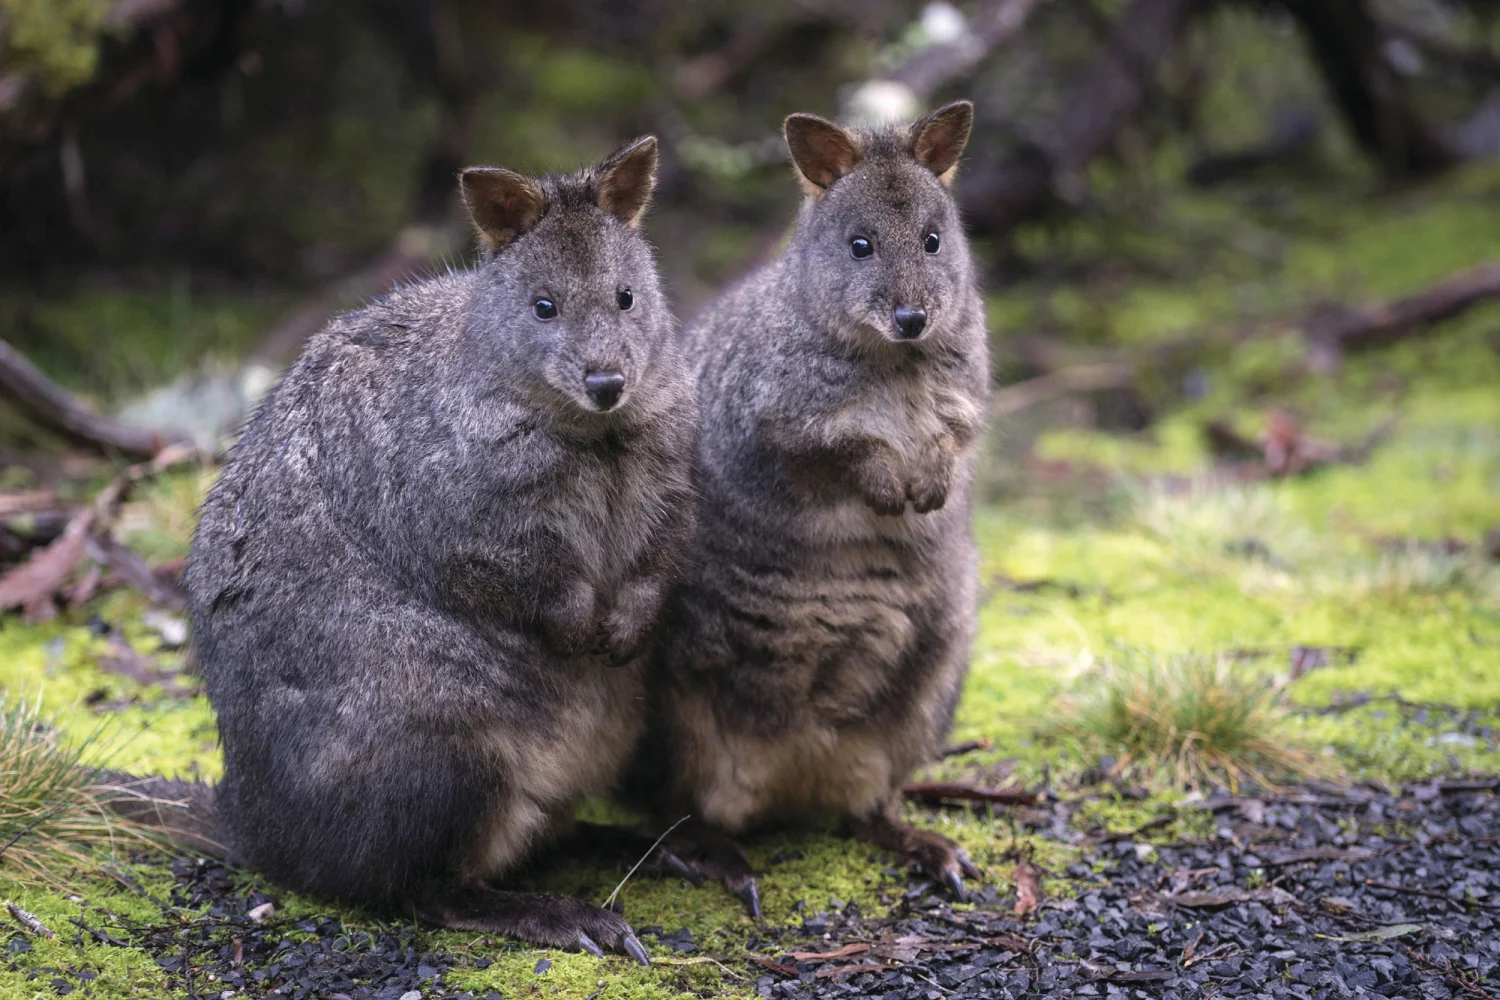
<point x="1095" y="545"/>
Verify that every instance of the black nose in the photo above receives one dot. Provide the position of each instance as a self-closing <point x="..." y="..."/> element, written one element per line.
<point x="604" y="388"/>
<point x="910" y="320"/>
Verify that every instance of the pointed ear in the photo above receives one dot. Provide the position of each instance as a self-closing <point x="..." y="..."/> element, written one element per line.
<point x="503" y="204"/>
<point x="823" y="150"/>
<point x="627" y="179"/>
<point x="938" y="140"/>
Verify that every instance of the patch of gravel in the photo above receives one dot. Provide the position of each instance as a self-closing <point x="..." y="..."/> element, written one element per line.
<point x="1319" y="893"/>
<point x="1324" y="893"/>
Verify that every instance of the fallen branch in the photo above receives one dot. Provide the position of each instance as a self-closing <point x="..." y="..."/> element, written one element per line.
<point x="825" y="956"/>
<point x="35" y="585"/>
<point x="959" y="749"/>
<point x="1298" y="857"/>
<point x="1358" y="329"/>
<point x="1466" y="982"/>
<point x="29" y="921"/>
<point x="1065" y="381"/>
<point x="56" y="409"/>
<point x="34" y="518"/>
<point x="937" y="792"/>
<point x="1286" y="449"/>
<point x="1269" y="895"/>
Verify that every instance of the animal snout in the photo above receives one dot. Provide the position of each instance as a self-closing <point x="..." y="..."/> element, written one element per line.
<point x="910" y="321"/>
<point x="604" y="388"/>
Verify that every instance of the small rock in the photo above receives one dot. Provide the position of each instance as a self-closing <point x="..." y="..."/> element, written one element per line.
<point x="262" y="913"/>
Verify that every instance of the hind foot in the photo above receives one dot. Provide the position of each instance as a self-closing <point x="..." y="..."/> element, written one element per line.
<point x="713" y="854"/>
<point x="625" y="848"/>
<point x="934" y="853"/>
<point x="553" y="921"/>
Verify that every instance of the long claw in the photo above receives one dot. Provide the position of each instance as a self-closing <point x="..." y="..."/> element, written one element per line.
<point x="955" y="885"/>
<point x="633" y="947"/>
<point x="970" y="869"/>
<point x="750" y="893"/>
<point x="587" y="944"/>
<point x="680" y="867"/>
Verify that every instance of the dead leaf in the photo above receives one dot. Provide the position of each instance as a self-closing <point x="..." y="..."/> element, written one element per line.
<point x="1009" y="942"/>
<point x="1028" y="888"/>
<point x="777" y="967"/>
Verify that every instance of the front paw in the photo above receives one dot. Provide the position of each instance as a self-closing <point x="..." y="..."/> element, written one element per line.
<point x="620" y="640"/>
<point x="932" y="478"/>
<point x="881" y="487"/>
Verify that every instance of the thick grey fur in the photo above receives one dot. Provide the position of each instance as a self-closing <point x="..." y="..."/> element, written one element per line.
<point x="813" y="654"/>
<point x="421" y="582"/>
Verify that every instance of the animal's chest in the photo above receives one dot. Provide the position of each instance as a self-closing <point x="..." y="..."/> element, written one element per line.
<point x="609" y="511"/>
<point x="902" y="411"/>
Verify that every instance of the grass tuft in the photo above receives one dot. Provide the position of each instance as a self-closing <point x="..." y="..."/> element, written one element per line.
<point x="52" y="820"/>
<point x="1189" y="720"/>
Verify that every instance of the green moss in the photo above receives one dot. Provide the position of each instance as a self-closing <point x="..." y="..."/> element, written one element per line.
<point x="54" y="41"/>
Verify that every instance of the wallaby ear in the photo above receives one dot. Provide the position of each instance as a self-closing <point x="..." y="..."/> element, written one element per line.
<point x="938" y="140"/>
<point x="823" y="150"/>
<point x="627" y="179"/>
<point x="503" y="204"/>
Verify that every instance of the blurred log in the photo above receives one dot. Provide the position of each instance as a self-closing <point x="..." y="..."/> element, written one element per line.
<point x="938" y="792"/>
<point x="1474" y="60"/>
<point x="1333" y="332"/>
<point x="1099" y="105"/>
<point x="1345" y="40"/>
<point x="1065" y="381"/>
<point x="56" y="409"/>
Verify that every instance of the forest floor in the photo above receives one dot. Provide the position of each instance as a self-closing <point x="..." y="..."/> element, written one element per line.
<point x="1366" y="593"/>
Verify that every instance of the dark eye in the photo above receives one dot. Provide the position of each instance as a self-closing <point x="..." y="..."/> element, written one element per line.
<point x="932" y="243"/>
<point x="625" y="299"/>
<point x="544" y="309"/>
<point x="861" y="247"/>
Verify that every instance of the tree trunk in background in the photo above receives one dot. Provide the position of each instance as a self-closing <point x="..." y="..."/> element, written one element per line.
<point x="1100" y="104"/>
<point x="1345" y="43"/>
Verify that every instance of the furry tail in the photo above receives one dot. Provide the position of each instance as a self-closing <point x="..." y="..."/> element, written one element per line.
<point x="183" y="812"/>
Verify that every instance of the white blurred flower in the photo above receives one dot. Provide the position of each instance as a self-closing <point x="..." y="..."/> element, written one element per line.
<point x="880" y="101"/>
<point x="943" y="23"/>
